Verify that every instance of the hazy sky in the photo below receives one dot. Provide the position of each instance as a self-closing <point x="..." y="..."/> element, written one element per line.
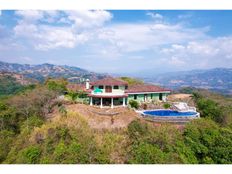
<point x="118" y="41"/>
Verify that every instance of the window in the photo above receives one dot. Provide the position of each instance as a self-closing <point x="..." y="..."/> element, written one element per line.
<point x="100" y="87"/>
<point x="151" y="96"/>
<point x="126" y="87"/>
<point x="108" y="89"/>
<point x="116" y="87"/>
<point x="135" y="97"/>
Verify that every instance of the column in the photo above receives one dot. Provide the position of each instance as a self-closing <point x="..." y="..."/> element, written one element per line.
<point x="164" y="98"/>
<point x="112" y="103"/>
<point x="101" y="103"/>
<point x="124" y="102"/>
<point x="91" y="101"/>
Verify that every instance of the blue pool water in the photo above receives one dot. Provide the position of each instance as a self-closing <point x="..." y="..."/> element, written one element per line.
<point x="169" y="113"/>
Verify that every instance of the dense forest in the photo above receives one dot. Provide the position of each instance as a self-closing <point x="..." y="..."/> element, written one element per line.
<point x="28" y="136"/>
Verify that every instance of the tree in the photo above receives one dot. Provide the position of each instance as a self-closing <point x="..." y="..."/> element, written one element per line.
<point x="210" y="109"/>
<point x="209" y="142"/>
<point x="145" y="153"/>
<point x="134" y="104"/>
<point x="9" y="85"/>
<point x="35" y="102"/>
<point x="8" y="117"/>
<point x="6" y="137"/>
<point x="137" y="130"/>
<point x="73" y="95"/>
<point x="58" y="85"/>
<point x="150" y="145"/>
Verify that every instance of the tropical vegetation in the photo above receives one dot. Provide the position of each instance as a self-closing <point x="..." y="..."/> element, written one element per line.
<point x="28" y="136"/>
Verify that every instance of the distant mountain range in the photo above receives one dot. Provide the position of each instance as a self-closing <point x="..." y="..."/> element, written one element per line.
<point x="43" y="71"/>
<point x="218" y="79"/>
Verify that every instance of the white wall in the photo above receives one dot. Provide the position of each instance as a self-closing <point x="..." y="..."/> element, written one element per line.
<point x="120" y="90"/>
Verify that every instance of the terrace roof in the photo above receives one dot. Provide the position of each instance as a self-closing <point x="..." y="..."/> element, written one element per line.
<point x="145" y="88"/>
<point x="109" y="81"/>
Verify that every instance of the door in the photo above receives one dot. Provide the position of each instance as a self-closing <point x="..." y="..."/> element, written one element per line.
<point x="108" y="89"/>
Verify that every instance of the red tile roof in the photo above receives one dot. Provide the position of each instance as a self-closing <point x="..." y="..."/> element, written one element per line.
<point x="138" y="88"/>
<point x="77" y="87"/>
<point x="145" y="88"/>
<point x="109" y="81"/>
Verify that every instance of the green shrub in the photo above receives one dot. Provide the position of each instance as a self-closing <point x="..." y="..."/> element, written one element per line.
<point x="62" y="132"/>
<point x="166" y="105"/>
<point x="210" y="109"/>
<point x="6" y="139"/>
<point x="58" y="85"/>
<point x="73" y="95"/>
<point x="63" y="111"/>
<point x="31" y="155"/>
<point x="82" y="94"/>
<point x="60" y="152"/>
<point x="185" y="153"/>
<point x="134" y="104"/>
<point x="145" y="153"/>
<point x="33" y="121"/>
<point x="136" y="129"/>
<point x="209" y="142"/>
<point x="101" y="157"/>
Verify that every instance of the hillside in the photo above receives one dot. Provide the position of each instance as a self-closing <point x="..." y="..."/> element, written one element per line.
<point x="43" y="71"/>
<point x="19" y="78"/>
<point x="11" y="83"/>
<point x="38" y="127"/>
<point x="218" y="79"/>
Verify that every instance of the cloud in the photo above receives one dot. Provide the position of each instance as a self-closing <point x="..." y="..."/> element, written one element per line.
<point x="93" y="36"/>
<point x="33" y="26"/>
<point x="139" y="37"/>
<point x="46" y="37"/>
<point x="154" y="15"/>
<point x="6" y="40"/>
<point x="35" y="16"/>
<point x="79" y="27"/>
<point x="88" y="19"/>
<point x="206" y="53"/>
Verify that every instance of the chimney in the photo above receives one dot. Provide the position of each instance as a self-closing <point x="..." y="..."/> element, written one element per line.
<point x="87" y="84"/>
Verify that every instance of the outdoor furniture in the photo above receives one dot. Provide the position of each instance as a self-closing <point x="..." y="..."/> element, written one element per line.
<point x="183" y="107"/>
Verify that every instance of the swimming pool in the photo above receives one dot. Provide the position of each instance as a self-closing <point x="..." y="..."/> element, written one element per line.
<point x="169" y="113"/>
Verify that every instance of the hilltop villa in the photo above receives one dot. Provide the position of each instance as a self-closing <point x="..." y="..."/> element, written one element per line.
<point x="115" y="92"/>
